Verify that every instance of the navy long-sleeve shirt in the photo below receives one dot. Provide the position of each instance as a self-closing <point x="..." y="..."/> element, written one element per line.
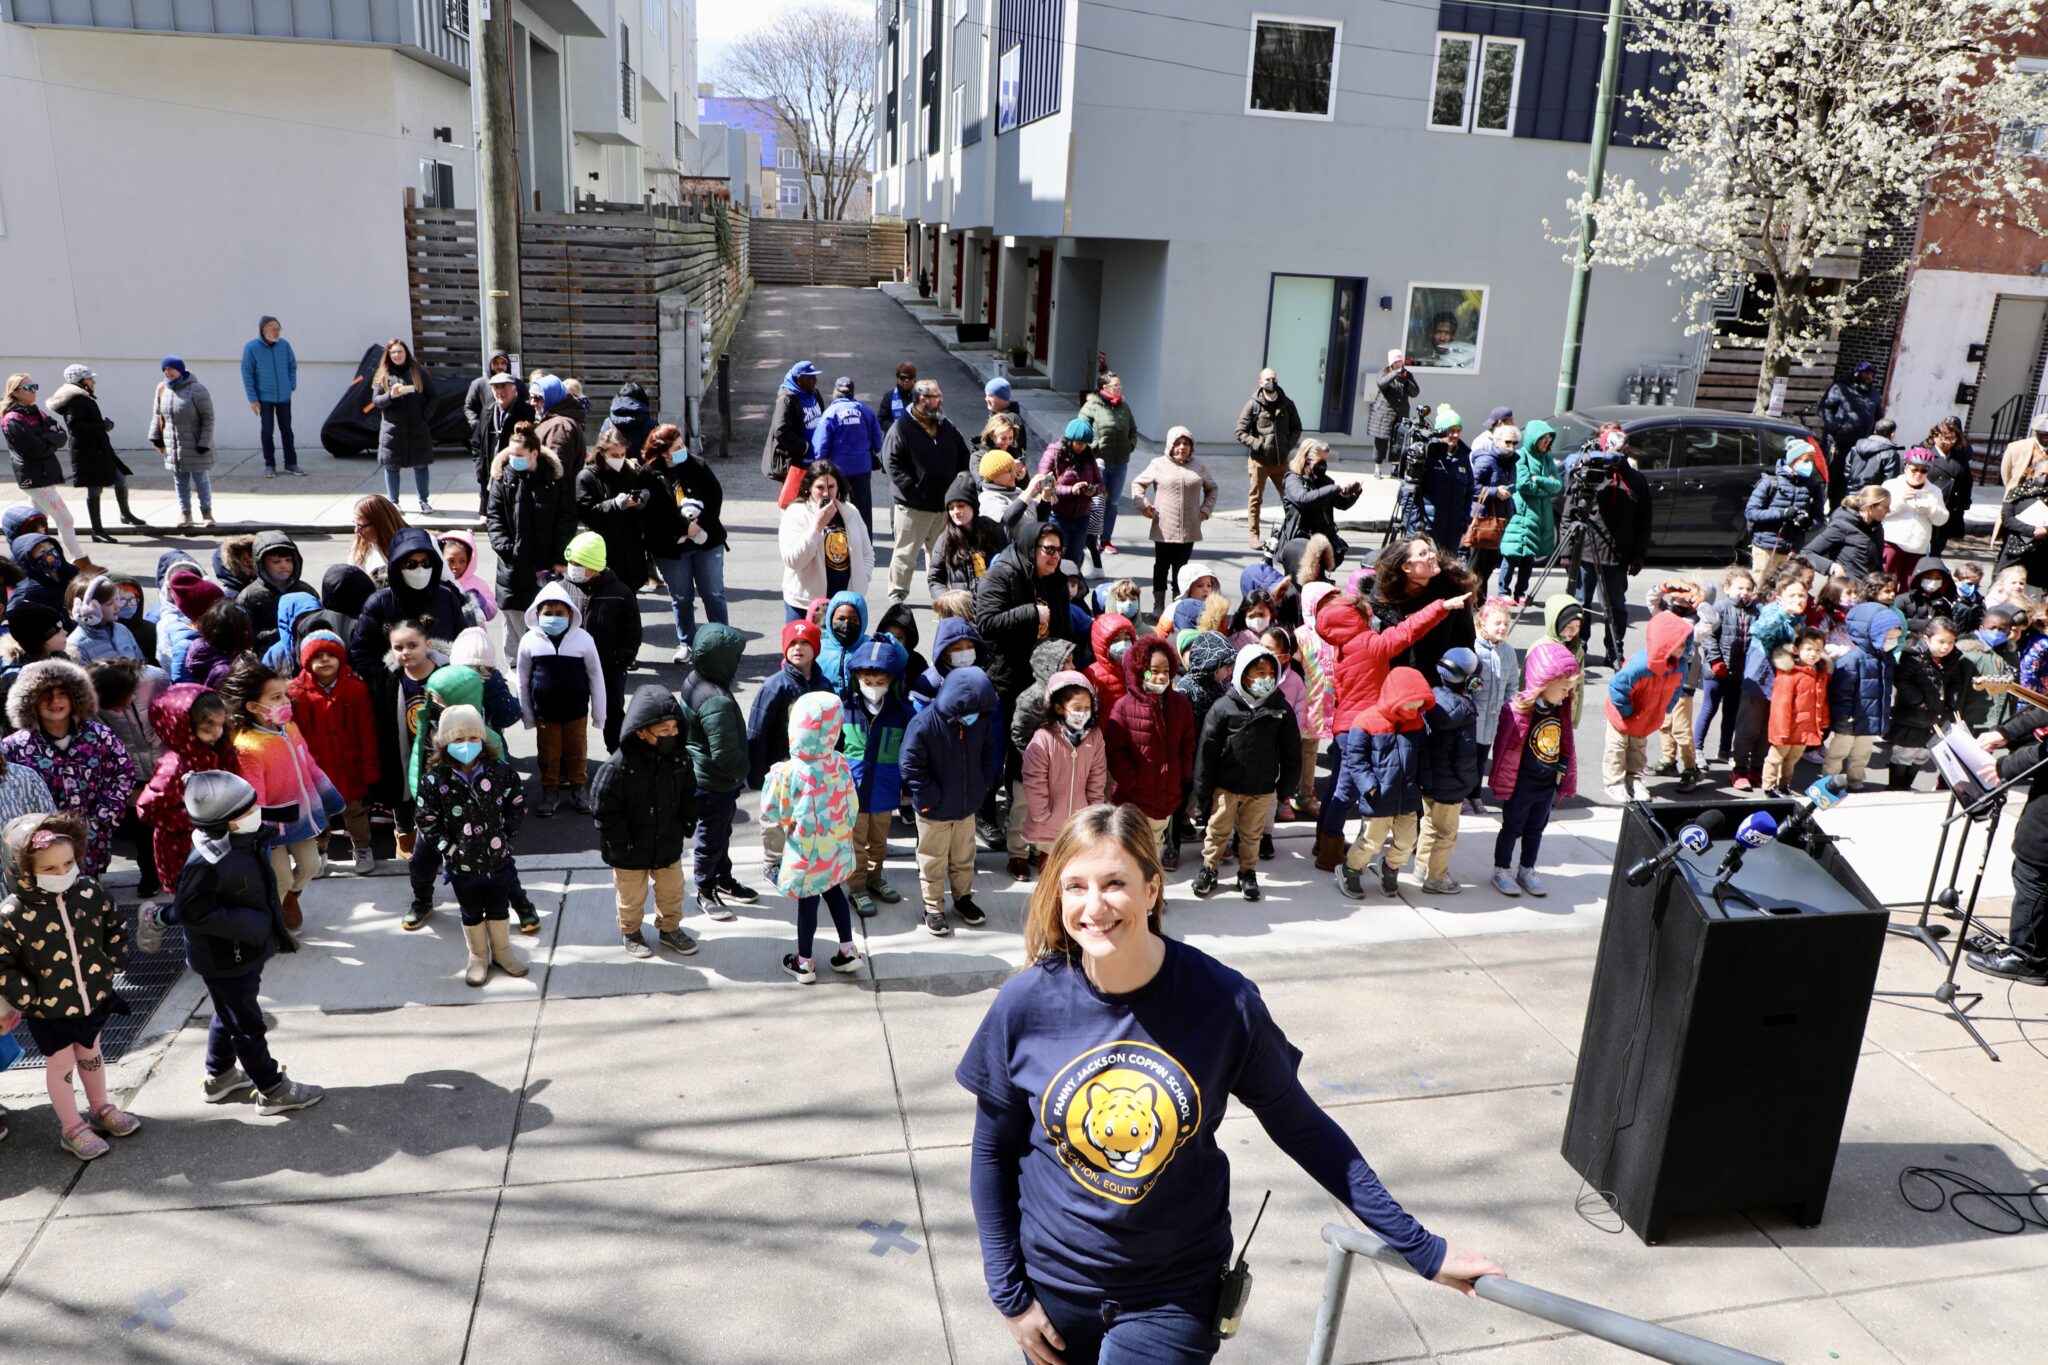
<point x="1095" y="1165"/>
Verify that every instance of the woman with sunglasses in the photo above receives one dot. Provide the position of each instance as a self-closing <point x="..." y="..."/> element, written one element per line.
<point x="33" y="439"/>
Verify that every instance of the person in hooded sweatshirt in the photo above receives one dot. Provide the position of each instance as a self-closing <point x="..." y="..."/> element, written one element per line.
<point x="845" y="631"/>
<point x="1929" y="692"/>
<point x="644" y="802"/>
<point x="809" y="796"/>
<point x="952" y="756"/>
<point x="279" y="570"/>
<point x="1860" y="690"/>
<point x="797" y="411"/>
<point x="344" y="590"/>
<point x="458" y="552"/>
<point x="1025" y="717"/>
<point x="192" y="722"/>
<point x="1249" y="751"/>
<point x="561" y="693"/>
<point x="44" y="569"/>
<point x="418" y="591"/>
<point x="631" y="415"/>
<point x="715" y="734"/>
<point x="331" y="707"/>
<point x="165" y="616"/>
<point x="1639" y="695"/>
<point x="1535" y="765"/>
<point x="531" y="516"/>
<point x="1149" y="738"/>
<point x="1383" y="771"/>
<point x="611" y="615"/>
<point x="849" y="435"/>
<point x="282" y="656"/>
<point x="876" y="718"/>
<point x="1210" y="661"/>
<point x="899" y="623"/>
<point x="1110" y="637"/>
<point x="58" y="735"/>
<point x="1930" y="593"/>
<point x="97" y="632"/>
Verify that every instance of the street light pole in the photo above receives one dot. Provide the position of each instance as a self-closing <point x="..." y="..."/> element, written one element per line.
<point x="497" y="210"/>
<point x="1596" y="171"/>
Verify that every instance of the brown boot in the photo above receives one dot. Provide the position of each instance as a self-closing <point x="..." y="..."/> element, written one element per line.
<point x="479" y="967"/>
<point x="502" y="954"/>
<point x="293" y="916"/>
<point x="1330" y="850"/>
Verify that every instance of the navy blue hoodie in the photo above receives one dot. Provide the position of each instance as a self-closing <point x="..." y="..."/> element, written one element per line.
<point x="949" y="764"/>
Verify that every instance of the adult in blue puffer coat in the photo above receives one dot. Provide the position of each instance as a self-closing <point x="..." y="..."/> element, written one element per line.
<point x="270" y="375"/>
<point x="848" y="435"/>
<point x="1860" y="690"/>
<point x="1439" y="503"/>
<point x="1782" y="506"/>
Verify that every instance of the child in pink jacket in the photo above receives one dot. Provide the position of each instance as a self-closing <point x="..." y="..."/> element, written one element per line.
<point x="1066" y="764"/>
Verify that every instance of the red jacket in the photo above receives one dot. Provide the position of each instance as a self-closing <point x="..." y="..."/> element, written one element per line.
<point x="161" y="802"/>
<point x="1151" y="739"/>
<point x="1799" y="705"/>
<point x="340" y="727"/>
<point x="1648" y="683"/>
<point x="1364" y="655"/>
<point x="1105" y="673"/>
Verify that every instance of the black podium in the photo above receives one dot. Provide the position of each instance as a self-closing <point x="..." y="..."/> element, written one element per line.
<point x="1721" y="1039"/>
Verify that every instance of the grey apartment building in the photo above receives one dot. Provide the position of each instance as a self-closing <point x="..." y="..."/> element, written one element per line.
<point x="1197" y="188"/>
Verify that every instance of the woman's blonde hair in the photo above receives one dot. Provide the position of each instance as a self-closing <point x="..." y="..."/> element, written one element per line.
<point x="1045" y="928"/>
<point x="1002" y="421"/>
<point x="412" y="364"/>
<point x="1310" y="445"/>
<point x="14" y="381"/>
<point x="383" y="520"/>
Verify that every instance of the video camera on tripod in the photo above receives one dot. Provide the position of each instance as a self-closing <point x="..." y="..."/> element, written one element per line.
<point x="1409" y="446"/>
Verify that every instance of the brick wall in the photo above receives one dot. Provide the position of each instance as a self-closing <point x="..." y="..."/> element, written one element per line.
<point x="1882" y="284"/>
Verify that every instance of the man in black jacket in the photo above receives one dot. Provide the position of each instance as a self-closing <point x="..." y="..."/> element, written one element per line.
<point x="1268" y="428"/>
<point x="504" y="408"/>
<point x="1848" y="414"/>
<point x="2019" y="745"/>
<point x="1609" y="499"/>
<point x="923" y="453"/>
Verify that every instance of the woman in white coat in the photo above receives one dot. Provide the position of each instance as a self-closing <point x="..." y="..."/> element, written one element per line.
<point x="824" y="551"/>
<point x="1918" y="506"/>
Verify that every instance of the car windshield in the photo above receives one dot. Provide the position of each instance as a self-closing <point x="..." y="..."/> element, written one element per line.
<point x="1573" y="431"/>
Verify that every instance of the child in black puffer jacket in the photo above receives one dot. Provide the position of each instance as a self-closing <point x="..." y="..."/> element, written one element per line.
<point x="1928" y="687"/>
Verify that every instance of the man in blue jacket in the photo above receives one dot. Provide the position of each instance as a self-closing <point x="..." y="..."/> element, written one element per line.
<point x="270" y="373"/>
<point x="849" y="435"/>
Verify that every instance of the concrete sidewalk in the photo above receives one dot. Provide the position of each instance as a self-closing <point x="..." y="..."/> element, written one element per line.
<point x="698" y="1160"/>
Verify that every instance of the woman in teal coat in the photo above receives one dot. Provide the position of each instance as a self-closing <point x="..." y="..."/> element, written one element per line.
<point x="1532" y="529"/>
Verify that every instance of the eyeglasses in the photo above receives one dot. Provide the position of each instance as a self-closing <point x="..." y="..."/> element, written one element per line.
<point x="1049" y="551"/>
<point x="31" y="388"/>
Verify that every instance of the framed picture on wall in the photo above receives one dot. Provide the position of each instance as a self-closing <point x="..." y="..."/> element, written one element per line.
<point x="1446" y="327"/>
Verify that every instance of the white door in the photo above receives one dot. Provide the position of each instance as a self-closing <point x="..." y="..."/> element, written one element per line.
<point x="1298" y="340"/>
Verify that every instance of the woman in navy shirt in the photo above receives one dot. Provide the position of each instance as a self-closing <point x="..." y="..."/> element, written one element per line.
<point x="1103" y="1071"/>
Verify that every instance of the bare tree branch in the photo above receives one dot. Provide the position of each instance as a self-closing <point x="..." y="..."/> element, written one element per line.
<point x="813" y="67"/>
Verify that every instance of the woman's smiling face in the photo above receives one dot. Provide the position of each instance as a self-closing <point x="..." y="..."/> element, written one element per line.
<point x="1106" y="900"/>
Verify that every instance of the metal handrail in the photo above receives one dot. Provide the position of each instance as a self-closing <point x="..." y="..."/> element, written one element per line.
<point x="1633" y="1334"/>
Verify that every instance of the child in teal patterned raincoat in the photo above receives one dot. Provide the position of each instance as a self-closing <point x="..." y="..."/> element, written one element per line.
<point x="812" y="796"/>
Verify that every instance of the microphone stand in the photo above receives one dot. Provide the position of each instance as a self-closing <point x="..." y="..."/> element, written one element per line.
<point x="1990" y="807"/>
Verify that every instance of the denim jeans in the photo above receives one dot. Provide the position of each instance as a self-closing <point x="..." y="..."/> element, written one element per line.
<point x="1725" y="696"/>
<point x="279" y="414"/>
<point x="1114" y="479"/>
<point x="1180" y="1331"/>
<point x="202" y="483"/>
<point x="713" y="860"/>
<point x="422" y="477"/>
<point x="1073" y="534"/>
<point x="700" y="573"/>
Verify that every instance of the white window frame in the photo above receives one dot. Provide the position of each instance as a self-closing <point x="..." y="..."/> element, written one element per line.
<point x="1473" y="79"/>
<point x="785" y="158"/>
<point x="789" y="194"/>
<point x="1252" y="57"/>
<point x="2024" y="141"/>
<point x="957" y="111"/>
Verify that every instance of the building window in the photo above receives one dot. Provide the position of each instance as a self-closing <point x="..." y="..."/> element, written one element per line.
<point x="625" y="72"/>
<point x="2023" y="139"/>
<point x="437" y="184"/>
<point x="1293" y="67"/>
<point x="785" y="159"/>
<point x="959" y="115"/>
<point x="657" y="24"/>
<point x="1446" y="327"/>
<point x="789" y="193"/>
<point x="1028" y="54"/>
<point x="455" y="17"/>
<point x="1477" y="81"/>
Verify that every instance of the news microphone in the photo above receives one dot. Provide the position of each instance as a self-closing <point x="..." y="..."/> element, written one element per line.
<point x="1824" y="794"/>
<point x="1694" y="838"/>
<point x="1755" y="831"/>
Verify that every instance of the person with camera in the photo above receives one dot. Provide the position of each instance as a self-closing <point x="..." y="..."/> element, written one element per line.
<point x="1782" y="507"/>
<point x="1851" y="544"/>
<point x="1313" y="497"/>
<point x="1393" y="387"/>
<point x="1607" y="519"/>
<point x="1436" y="500"/>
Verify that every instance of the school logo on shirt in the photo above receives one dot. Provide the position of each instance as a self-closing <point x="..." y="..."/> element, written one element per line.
<point x="1546" y="740"/>
<point x="1117" y="1114"/>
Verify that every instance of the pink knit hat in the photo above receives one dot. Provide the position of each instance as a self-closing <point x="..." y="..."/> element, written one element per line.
<point x="1548" y="662"/>
<point x="1312" y="597"/>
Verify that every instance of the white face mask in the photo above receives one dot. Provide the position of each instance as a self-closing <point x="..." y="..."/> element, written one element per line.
<point x="1257" y="622"/>
<point x="57" y="883"/>
<point x="615" y="463"/>
<point x="578" y="574"/>
<point x="874" y="694"/>
<point x="247" y="821"/>
<point x="417" y="579"/>
<point x="1077" y="720"/>
<point x="961" y="657"/>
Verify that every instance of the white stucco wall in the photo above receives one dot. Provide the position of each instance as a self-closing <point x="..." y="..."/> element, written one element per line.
<point x="160" y="192"/>
<point x="1947" y="311"/>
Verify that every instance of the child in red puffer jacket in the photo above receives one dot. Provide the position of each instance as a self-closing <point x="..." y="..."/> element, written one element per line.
<point x="332" y="707"/>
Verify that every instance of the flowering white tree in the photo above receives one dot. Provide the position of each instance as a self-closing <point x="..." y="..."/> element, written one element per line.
<point x="1790" y="125"/>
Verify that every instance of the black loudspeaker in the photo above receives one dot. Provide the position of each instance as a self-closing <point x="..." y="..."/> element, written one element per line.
<point x="1721" y="1038"/>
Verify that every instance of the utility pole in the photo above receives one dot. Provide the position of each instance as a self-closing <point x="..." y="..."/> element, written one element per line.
<point x="497" y="210"/>
<point x="1596" y="171"/>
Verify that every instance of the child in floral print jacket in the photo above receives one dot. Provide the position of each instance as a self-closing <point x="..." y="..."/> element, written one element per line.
<point x="811" y="796"/>
<point x="470" y="810"/>
<point x="52" y="708"/>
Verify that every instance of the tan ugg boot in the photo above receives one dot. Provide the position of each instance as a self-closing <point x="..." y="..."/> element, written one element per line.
<point x="479" y="941"/>
<point x="1330" y="851"/>
<point x="509" y="962"/>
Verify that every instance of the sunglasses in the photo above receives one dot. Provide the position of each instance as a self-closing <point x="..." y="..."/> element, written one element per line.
<point x="1050" y="551"/>
<point x="31" y="388"/>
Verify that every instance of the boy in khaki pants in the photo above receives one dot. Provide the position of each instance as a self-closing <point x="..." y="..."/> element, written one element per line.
<point x="645" y="799"/>
<point x="952" y="755"/>
<point x="1383" y="748"/>
<point x="1450" y="765"/>
<point x="1248" y="753"/>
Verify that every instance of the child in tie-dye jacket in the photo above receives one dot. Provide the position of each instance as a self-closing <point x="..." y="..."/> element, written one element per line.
<point x="811" y="795"/>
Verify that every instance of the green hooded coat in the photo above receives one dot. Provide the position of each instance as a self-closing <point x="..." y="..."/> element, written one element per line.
<point x="1559" y="610"/>
<point x="449" y="685"/>
<point x="1532" y="528"/>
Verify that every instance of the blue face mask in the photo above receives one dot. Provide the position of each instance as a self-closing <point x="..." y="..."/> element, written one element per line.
<point x="970" y="718"/>
<point x="520" y="464"/>
<point x="129" y="606"/>
<point x="554" y="625"/>
<point x="1127" y="610"/>
<point x="1967" y="589"/>
<point x="1994" y="638"/>
<point x="679" y="455"/>
<point x="466" y="750"/>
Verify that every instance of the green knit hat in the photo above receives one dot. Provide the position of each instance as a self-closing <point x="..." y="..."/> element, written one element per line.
<point x="587" y="549"/>
<point x="1446" y="418"/>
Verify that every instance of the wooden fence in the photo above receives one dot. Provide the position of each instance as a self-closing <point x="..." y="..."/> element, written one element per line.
<point x="808" y="251"/>
<point x="1728" y="380"/>
<point x="590" y="285"/>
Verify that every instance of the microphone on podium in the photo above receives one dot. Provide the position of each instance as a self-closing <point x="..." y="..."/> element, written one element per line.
<point x="1694" y="838"/>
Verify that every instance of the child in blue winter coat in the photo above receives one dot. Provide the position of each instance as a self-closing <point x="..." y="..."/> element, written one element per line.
<point x="952" y="755"/>
<point x="958" y="645"/>
<point x="1382" y="759"/>
<point x="872" y="740"/>
<point x="1860" y="690"/>
<point x="1451" y="765"/>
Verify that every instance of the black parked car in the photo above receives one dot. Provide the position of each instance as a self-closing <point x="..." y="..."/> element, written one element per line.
<point x="1700" y="464"/>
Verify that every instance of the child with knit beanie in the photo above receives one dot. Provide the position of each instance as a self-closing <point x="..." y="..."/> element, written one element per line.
<point x="332" y="709"/>
<point x="470" y="810"/>
<point x="1534" y="765"/>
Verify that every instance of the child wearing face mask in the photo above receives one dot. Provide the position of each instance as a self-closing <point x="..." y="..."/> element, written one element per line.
<point x="124" y="688"/>
<point x="872" y="740"/>
<point x="61" y="941"/>
<point x="768" y="720"/>
<point x="809" y="797"/>
<point x="97" y="633"/>
<point x="844" y="632"/>
<point x="1150" y="738"/>
<point x="1969" y="604"/>
<point x="1930" y="686"/>
<point x="953" y="756"/>
<point x="331" y="706"/>
<point x="272" y="755"/>
<point x="1254" y="614"/>
<point x="192" y="724"/>
<point x="1110" y="637"/>
<point x="1249" y="751"/>
<point x="1066" y="765"/>
<point x="58" y="736"/>
<point x="611" y="617"/>
<point x="957" y="645"/>
<point x="1297" y="802"/>
<point x="562" y="691"/>
<point x="1988" y="652"/>
<point x="645" y="798"/>
<point x="1535" y="765"/>
<point x="470" y="810"/>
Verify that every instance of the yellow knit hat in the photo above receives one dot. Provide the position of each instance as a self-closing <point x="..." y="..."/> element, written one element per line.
<point x="995" y="462"/>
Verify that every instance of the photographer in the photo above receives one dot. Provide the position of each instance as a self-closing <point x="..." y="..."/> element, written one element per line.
<point x="1607" y="524"/>
<point x="1437" y="499"/>
<point x="1394" y="386"/>
<point x="1781" y="508"/>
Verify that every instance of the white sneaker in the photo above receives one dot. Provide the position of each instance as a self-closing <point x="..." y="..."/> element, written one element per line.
<point x="366" y="861"/>
<point x="1619" y="795"/>
<point x="682" y="656"/>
